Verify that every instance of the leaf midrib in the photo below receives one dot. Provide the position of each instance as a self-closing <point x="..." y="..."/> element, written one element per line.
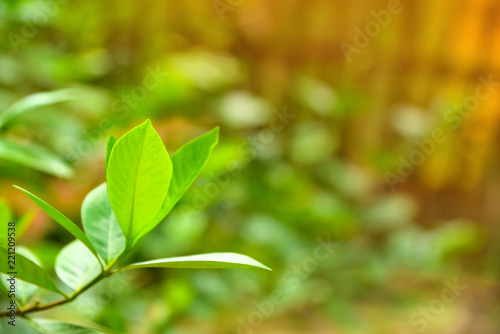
<point x="165" y="209"/>
<point x="110" y="239"/>
<point x="129" y="236"/>
<point x="87" y="273"/>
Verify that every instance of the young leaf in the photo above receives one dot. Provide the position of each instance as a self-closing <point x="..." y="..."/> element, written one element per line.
<point x="138" y="176"/>
<point x="109" y="146"/>
<point x="24" y="291"/>
<point x="76" y="266"/>
<point x="187" y="164"/>
<point x="62" y="220"/>
<point x="202" y="261"/>
<point x="28" y="271"/>
<point x="100" y="224"/>
<point x="46" y="326"/>
<point x="35" y="156"/>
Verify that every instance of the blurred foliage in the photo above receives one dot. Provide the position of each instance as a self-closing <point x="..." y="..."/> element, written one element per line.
<point x="272" y="189"/>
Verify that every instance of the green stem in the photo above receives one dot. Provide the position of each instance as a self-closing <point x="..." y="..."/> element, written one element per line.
<point x="105" y="272"/>
<point x="43" y="307"/>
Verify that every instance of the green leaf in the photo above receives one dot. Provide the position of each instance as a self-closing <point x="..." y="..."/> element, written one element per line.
<point x="35" y="156"/>
<point x="76" y="266"/>
<point x="5" y="218"/>
<point x="202" y="261"/>
<point x="3" y="289"/>
<point x="109" y="146"/>
<point x="24" y="291"/>
<point x="24" y="223"/>
<point x="62" y="220"/>
<point x="138" y="176"/>
<point x="21" y="225"/>
<point x="187" y="163"/>
<point x="46" y="326"/>
<point x="34" y="101"/>
<point x="100" y="224"/>
<point x="28" y="271"/>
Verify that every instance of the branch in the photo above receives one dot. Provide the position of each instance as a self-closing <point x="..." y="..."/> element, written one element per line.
<point x="37" y="307"/>
<point x="105" y="273"/>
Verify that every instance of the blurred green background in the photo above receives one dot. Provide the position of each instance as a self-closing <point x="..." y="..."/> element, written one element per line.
<point x="272" y="189"/>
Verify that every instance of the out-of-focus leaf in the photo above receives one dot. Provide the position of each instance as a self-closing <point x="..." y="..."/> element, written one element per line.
<point x="3" y="289"/>
<point x="34" y="101"/>
<point x="46" y="326"/>
<point x="316" y="95"/>
<point x="455" y="237"/>
<point x="178" y="293"/>
<point x="206" y="70"/>
<point x="5" y="218"/>
<point x="24" y="223"/>
<point x="100" y="224"/>
<point x="35" y="156"/>
<point x="62" y="220"/>
<point x="76" y="266"/>
<point x="252" y="112"/>
<point x="24" y="291"/>
<point x="28" y="271"/>
<point x="109" y="146"/>
<point x="138" y="177"/>
<point x="390" y="212"/>
<point x="202" y="261"/>
<point x="187" y="164"/>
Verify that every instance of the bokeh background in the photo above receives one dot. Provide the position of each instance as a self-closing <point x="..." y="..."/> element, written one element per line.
<point x="355" y="123"/>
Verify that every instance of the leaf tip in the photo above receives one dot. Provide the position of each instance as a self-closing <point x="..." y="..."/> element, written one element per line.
<point x="216" y="132"/>
<point x="265" y="267"/>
